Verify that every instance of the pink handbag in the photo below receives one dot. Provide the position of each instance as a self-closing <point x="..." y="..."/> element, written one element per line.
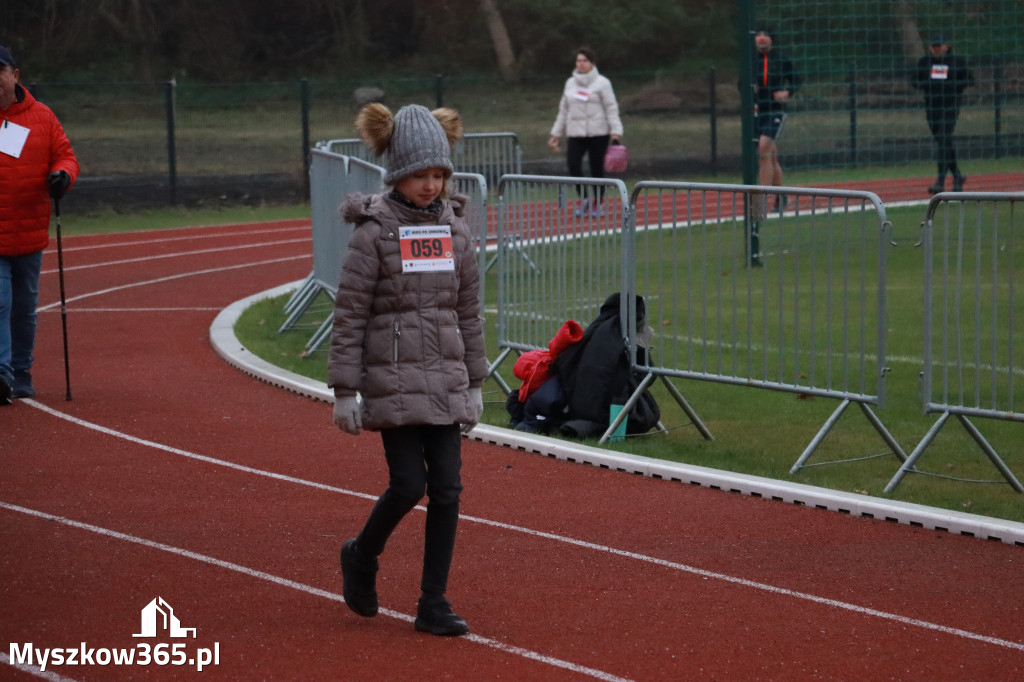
<point x="616" y="158"/>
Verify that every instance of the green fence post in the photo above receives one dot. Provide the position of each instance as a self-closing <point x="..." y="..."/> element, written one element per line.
<point x="172" y="163"/>
<point x="304" y="99"/>
<point x="746" y="56"/>
<point x="997" y="105"/>
<point x="852" y="106"/>
<point x="713" y="109"/>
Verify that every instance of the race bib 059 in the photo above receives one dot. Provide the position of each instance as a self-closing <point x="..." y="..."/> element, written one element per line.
<point x="426" y="248"/>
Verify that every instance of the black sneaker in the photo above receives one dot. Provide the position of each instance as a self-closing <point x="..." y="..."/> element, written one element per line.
<point x="958" y="182"/>
<point x="21" y="387"/>
<point x="437" y="618"/>
<point x="359" y="580"/>
<point x="937" y="188"/>
<point x="5" y="390"/>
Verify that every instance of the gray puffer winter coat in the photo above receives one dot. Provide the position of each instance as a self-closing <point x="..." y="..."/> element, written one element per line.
<point x="411" y="344"/>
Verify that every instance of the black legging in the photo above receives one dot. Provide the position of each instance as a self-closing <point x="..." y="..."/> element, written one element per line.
<point x="420" y="459"/>
<point x="942" y="123"/>
<point x="594" y="148"/>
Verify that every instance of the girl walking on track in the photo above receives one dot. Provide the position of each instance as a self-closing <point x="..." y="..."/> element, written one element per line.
<point x="408" y="339"/>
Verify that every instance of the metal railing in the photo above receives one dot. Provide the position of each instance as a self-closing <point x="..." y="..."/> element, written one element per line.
<point x="559" y="255"/>
<point x="491" y="155"/>
<point x="750" y="295"/>
<point x="973" y="250"/>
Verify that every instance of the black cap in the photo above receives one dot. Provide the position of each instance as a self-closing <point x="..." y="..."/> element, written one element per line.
<point x="939" y="39"/>
<point x="7" y="58"/>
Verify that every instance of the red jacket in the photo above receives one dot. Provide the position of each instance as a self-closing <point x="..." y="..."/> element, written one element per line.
<point x="534" y="367"/>
<point x="24" y="193"/>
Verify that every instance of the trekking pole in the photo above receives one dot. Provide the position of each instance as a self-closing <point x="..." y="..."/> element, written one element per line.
<point x="63" y="301"/>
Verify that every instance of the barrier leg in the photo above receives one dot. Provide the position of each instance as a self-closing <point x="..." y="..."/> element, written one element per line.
<point x="883" y="432"/>
<point x="492" y="371"/>
<point x="816" y="441"/>
<point x="674" y="392"/>
<point x="626" y="409"/>
<point x="992" y="455"/>
<point x="298" y="294"/>
<point x="908" y="465"/>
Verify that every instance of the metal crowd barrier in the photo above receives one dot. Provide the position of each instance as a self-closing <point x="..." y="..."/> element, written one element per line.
<point x="973" y="247"/>
<point x="352" y="147"/>
<point x="479" y="216"/>
<point x="491" y="155"/>
<point x="332" y="177"/>
<point x="559" y="256"/>
<point x="558" y="259"/>
<point x="474" y="186"/>
<point x="328" y="181"/>
<point x="791" y="301"/>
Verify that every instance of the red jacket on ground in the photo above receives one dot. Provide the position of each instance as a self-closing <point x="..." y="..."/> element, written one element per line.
<point x="24" y="192"/>
<point x="534" y="367"/>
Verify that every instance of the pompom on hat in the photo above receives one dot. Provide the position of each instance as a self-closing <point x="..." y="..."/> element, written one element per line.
<point x="414" y="139"/>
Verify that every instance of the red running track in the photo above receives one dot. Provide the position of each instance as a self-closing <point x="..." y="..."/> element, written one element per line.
<point x="173" y="475"/>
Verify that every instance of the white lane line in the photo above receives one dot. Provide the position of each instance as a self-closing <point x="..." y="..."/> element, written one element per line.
<point x="34" y="670"/>
<point x="192" y="309"/>
<point x="764" y="587"/>
<point x="189" y="238"/>
<point x="301" y="587"/>
<point x="179" y="254"/>
<point x="170" y="278"/>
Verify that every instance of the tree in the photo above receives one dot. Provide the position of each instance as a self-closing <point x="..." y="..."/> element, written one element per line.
<point x="135" y="26"/>
<point x="906" y="25"/>
<point x="507" y="66"/>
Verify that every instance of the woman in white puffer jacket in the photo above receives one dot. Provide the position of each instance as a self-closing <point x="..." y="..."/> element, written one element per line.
<point x="588" y="115"/>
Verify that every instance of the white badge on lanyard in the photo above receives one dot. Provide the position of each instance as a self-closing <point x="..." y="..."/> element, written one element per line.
<point x="12" y="138"/>
<point x="427" y="248"/>
<point x="940" y="72"/>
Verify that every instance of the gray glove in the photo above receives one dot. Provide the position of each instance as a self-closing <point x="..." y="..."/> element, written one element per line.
<point x="476" y="401"/>
<point x="347" y="414"/>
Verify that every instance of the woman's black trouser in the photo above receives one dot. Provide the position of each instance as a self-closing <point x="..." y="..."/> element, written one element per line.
<point x="594" y="148"/>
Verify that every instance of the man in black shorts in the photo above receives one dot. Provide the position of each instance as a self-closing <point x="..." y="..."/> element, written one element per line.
<point x="775" y="81"/>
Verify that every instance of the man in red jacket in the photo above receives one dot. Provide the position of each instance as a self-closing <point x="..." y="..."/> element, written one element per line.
<point x="36" y="164"/>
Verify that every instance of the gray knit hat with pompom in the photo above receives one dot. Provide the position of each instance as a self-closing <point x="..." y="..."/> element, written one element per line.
<point x="418" y="143"/>
<point x="414" y="139"/>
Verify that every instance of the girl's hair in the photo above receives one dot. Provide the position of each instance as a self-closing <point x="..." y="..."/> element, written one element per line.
<point x="588" y="53"/>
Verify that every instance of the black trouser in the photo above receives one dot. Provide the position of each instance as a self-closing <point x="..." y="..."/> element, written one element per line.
<point x="420" y="458"/>
<point x="594" y="148"/>
<point x="942" y="123"/>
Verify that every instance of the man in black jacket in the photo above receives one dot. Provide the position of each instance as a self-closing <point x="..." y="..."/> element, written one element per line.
<point x="943" y="77"/>
<point x="775" y="81"/>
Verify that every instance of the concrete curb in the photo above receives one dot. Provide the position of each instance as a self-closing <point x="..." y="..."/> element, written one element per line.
<point x="227" y="345"/>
